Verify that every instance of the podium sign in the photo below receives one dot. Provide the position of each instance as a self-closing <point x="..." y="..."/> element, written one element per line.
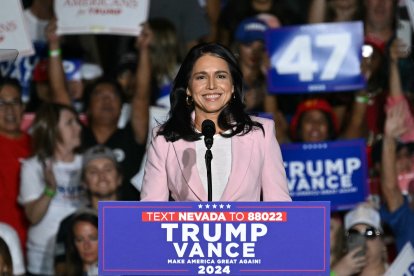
<point x="202" y="238"/>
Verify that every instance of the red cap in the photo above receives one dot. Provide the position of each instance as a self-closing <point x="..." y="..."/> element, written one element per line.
<point x="312" y="104"/>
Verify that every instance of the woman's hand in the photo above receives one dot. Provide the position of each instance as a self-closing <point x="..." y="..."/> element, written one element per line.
<point x="350" y="264"/>
<point x="50" y="180"/>
<point x="394" y="124"/>
<point x="52" y="37"/>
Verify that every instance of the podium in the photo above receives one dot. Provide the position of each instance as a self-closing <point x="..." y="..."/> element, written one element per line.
<point x="210" y="238"/>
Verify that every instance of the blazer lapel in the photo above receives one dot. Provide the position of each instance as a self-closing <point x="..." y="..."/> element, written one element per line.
<point x="185" y="153"/>
<point x="241" y="152"/>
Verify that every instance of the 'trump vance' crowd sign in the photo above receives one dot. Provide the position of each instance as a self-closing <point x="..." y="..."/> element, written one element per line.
<point x="196" y="238"/>
<point x="333" y="171"/>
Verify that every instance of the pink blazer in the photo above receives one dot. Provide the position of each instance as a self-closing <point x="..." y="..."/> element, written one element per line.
<point x="256" y="167"/>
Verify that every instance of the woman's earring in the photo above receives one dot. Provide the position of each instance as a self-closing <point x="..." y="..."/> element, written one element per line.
<point x="189" y="100"/>
<point x="234" y="96"/>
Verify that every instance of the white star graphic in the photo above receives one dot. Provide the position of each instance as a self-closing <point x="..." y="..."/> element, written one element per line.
<point x="200" y="206"/>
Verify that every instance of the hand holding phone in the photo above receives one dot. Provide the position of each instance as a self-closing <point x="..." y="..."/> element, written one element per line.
<point x="354" y="241"/>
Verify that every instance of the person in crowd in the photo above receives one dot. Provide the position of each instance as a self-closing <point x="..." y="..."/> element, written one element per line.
<point x="163" y="43"/>
<point x="188" y="17"/>
<point x="101" y="177"/>
<point x="208" y="86"/>
<point x="335" y="11"/>
<point x="369" y="257"/>
<point x="396" y="157"/>
<point x="379" y="18"/>
<point x="50" y="187"/>
<point x="212" y="9"/>
<point x="314" y="121"/>
<point x="250" y="48"/>
<point x="82" y="253"/>
<point x="236" y="11"/>
<point x="103" y="108"/>
<point x="6" y="263"/>
<point x="14" y="145"/>
<point x="397" y="160"/>
<point x="11" y="255"/>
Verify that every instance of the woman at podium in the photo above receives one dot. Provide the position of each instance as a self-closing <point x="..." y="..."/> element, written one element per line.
<point x="207" y="118"/>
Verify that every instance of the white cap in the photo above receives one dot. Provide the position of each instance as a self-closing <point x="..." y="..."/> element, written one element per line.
<point x="363" y="214"/>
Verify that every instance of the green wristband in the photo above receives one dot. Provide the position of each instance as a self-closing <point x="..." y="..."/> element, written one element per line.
<point x="332" y="273"/>
<point x="362" y="99"/>
<point x="49" y="192"/>
<point x="55" y="53"/>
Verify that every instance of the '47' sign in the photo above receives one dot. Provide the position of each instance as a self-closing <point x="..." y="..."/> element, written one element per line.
<point x="315" y="58"/>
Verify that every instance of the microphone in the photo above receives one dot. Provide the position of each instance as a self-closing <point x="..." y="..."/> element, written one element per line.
<point x="208" y="129"/>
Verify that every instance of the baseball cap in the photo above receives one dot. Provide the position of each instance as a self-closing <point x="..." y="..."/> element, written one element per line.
<point x="363" y="214"/>
<point x="98" y="151"/>
<point x="312" y="104"/>
<point x="251" y="29"/>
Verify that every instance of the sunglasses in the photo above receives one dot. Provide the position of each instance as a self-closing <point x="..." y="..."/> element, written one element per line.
<point x="370" y="233"/>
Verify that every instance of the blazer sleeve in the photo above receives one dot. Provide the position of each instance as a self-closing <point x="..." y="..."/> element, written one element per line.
<point x="155" y="183"/>
<point x="274" y="183"/>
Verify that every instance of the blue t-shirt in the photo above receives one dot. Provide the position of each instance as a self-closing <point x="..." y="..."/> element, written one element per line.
<point x="401" y="222"/>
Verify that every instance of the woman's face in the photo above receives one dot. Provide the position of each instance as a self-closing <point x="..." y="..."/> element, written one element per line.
<point x="314" y="126"/>
<point x="210" y="86"/>
<point x="251" y="55"/>
<point x="69" y="129"/>
<point x="86" y="242"/>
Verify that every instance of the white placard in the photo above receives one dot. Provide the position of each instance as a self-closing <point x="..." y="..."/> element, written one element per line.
<point x="13" y="33"/>
<point x="410" y="9"/>
<point x="122" y="17"/>
<point x="404" y="263"/>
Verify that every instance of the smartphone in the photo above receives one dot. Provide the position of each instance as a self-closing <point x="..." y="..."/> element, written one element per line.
<point x="354" y="241"/>
<point x="404" y="34"/>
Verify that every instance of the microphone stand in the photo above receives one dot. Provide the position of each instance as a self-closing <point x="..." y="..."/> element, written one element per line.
<point x="209" y="157"/>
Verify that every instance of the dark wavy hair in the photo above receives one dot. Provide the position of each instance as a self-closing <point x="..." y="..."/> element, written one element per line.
<point x="233" y="117"/>
<point x="74" y="263"/>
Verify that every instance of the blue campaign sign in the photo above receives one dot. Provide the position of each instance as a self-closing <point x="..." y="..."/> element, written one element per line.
<point x="328" y="171"/>
<point x="202" y="238"/>
<point x="22" y="68"/>
<point x="315" y="58"/>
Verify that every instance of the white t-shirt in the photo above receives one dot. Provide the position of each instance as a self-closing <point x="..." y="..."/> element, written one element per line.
<point x="220" y="165"/>
<point x="69" y="197"/>
<point x="10" y="237"/>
